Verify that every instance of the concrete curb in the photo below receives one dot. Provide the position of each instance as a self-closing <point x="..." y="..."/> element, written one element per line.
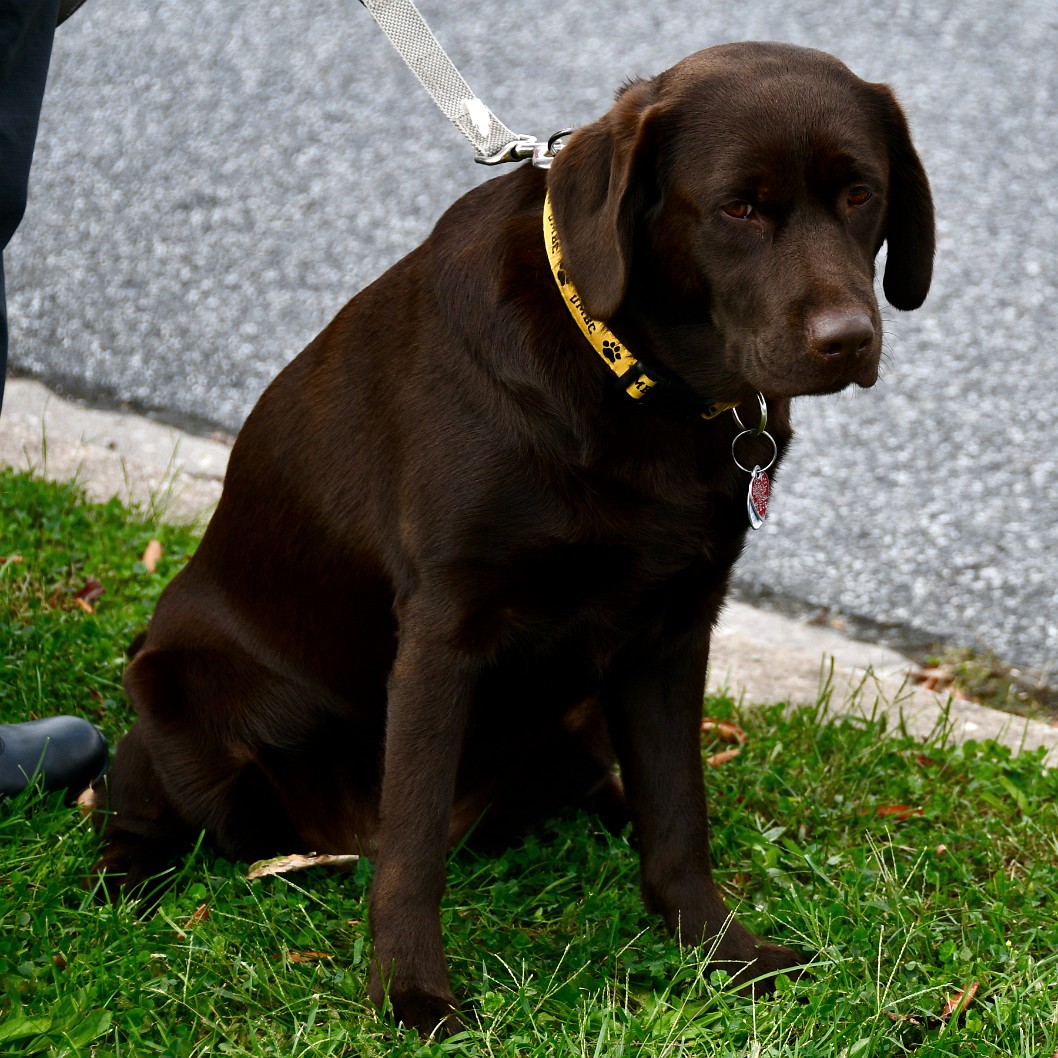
<point x="758" y="656"/>
<point x="111" y="453"/>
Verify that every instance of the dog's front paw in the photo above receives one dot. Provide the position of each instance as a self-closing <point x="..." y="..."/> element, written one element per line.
<point x="431" y="1014"/>
<point x="756" y="976"/>
<point x="436" y="1016"/>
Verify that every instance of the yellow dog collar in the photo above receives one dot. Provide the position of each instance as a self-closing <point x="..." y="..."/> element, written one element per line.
<point x="638" y="382"/>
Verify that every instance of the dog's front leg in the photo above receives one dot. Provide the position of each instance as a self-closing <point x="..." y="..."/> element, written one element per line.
<point x="654" y="714"/>
<point x="429" y="691"/>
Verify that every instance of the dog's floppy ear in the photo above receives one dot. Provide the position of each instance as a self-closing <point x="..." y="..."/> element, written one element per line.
<point x="599" y="183"/>
<point x="909" y="227"/>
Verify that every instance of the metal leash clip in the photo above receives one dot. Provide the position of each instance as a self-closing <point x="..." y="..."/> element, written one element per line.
<point x="493" y="141"/>
<point x="524" y="147"/>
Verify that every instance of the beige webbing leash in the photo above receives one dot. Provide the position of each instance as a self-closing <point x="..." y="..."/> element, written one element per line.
<point x="407" y="31"/>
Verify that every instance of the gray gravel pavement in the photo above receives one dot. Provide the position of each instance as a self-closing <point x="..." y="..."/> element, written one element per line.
<point x="214" y="179"/>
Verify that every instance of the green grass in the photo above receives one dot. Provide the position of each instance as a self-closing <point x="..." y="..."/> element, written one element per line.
<point x="548" y="944"/>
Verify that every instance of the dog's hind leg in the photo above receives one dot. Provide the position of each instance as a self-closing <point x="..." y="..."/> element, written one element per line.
<point x="142" y="832"/>
<point x="191" y="763"/>
<point x="148" y="820"/>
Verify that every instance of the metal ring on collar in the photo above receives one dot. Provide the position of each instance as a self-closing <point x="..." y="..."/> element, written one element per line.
<point x="553" y="146"/>
<point x="763" y="418"/>
<point x="753" y="433"/>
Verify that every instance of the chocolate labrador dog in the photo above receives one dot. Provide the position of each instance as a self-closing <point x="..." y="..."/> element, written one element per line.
<point x="473" y="540"/>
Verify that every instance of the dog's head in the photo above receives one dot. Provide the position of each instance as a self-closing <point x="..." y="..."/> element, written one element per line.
<point x="728" y="214"/>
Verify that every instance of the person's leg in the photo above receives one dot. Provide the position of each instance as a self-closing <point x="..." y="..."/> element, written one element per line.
<point x="61" y="752"/>
<point x="26" y="31"/>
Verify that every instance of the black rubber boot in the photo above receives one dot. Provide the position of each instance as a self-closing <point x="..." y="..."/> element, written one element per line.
<point x="59" y="753"/>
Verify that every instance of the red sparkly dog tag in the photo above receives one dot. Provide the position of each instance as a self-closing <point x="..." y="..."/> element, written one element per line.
<point x="759" y="485"/>
<point x="757" y="497"/>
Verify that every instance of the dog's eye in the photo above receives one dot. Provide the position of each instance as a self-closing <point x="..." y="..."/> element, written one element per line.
<point x="739" y="210"/>
<point x="859" y="195"/>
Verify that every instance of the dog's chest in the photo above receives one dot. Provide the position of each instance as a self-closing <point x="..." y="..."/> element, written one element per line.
<point x="567" y="621"/>
<point x="606" y="567"/>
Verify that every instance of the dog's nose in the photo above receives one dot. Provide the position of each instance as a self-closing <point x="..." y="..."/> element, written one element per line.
<point x="838" y="336"/>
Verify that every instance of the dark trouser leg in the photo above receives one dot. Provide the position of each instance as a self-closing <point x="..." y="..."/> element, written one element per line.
<point x="26" y="31"/>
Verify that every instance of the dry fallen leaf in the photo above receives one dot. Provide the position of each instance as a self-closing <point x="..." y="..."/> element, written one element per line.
<point x="10" y="558"/>
<point x="933" y="678"/>
<point x="723" y="757"/>
<point x="307" y="956"/>
<point x="200" y="914"/>
<point x="906" y="1019"/>
<point x="297" y="862"/>
<point x="960" y="1001"/>
<point x="91" y="591"/>
<point x="898" y="811"/>
<point x="724" y="730"/>
<point x="86" y="801"/>
<point x="151" y="554"/>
